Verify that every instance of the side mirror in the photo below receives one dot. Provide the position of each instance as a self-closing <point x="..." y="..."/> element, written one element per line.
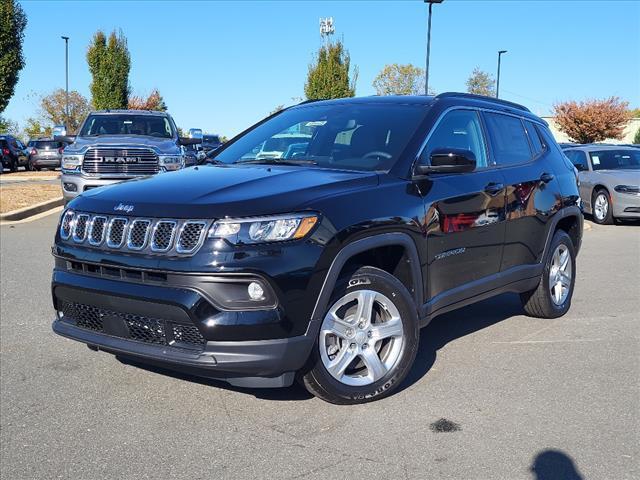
<point x="449" y="160"/>
<point x="193" y="137"/>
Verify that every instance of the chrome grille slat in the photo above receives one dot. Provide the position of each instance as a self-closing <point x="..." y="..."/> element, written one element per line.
<point x="157" y="236"/>
<point x="147" y="161"/>
<point x="138" y="234"/>
<point x="96" y="229"/>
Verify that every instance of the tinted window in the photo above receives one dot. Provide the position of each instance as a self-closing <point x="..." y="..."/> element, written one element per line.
<point x="46" y="144"/>
<point x="615" y="159"/>
<point x="508" y="139"/>
<point x="578" y="159"/>
<point x="127" y="124"/>
<point x="458" y="129"/>
<point x="534" y="137"/>
<point x="344" y="136"/>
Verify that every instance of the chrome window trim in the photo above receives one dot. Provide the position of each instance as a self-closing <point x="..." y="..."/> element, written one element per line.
<point x="171" y="240"/>
<point x="124" y="232"/>
<point x="90" y="232"/>
<point x="146" y="233"/>
<point x="203" y="234"/>
<point x="75" y="227"/>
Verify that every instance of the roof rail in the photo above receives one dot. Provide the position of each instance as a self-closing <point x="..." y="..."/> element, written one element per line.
<point x="506" y="103"/>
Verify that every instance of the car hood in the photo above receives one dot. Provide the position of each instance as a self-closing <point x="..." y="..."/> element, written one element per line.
<point x="223" y="191"/>
<point x="619" y="177"/>
<point x="160" y="145"/>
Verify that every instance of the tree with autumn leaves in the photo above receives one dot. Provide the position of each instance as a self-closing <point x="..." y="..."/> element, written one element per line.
<point x="592" y="121"/>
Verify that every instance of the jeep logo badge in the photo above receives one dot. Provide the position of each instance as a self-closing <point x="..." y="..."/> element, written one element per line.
<point x="123" y="208"/>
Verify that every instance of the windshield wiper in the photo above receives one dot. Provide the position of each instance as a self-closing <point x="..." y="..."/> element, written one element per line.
<point x="280" y="161"/>
<point x="213" y="161"/>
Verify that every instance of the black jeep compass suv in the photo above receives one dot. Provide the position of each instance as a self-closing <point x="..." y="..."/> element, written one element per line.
<point x="324" y="258"/>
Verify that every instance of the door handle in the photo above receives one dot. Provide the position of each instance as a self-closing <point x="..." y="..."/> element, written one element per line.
<point x="546" y="177"/>
<point x="493" y="188"/>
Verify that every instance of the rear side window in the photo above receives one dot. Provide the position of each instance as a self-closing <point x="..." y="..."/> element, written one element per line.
<point x="578" y="159"/>
<point x="508" y="139"/>
<point x="458" y="129"/>
<point x="534" y="137"/>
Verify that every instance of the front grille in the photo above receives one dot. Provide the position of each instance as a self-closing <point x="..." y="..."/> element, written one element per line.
<point x="145" y="235"/>
<point x="96" y="233"/>
<point x="115" y="234"/>
<point x="138" y="233"/>
<point x="120" y="161"/>
<point x="190" y="236"/>
<point x="136" y="327"/>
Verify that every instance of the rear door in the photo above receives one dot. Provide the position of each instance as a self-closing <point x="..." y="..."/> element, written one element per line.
<point x="465" y="212"/>
<point x="533" y="192"/>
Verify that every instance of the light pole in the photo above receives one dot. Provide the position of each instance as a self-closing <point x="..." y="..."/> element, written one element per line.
<point x="498" y="76"/>
<point x="66" y="66"/>
<point x="426" y="73"/>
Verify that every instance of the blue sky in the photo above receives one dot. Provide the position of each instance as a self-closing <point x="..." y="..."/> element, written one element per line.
<point x="222" y="66"/>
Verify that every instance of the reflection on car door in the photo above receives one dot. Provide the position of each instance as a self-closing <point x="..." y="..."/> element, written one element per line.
<point x="465" y="219"/>
<point x="533" y="193"/>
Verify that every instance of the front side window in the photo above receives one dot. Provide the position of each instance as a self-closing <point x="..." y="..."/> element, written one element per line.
<point x="458" y="129"/>
<point x="615" y="160"/>
<point x="349" y="136"/>
<point x="127" y="124"/>
<point x="508" y="139"/>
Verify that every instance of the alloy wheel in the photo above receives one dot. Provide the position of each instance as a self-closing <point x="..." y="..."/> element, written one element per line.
<point x="361" y="338"/>
<point x="560" y="275"/>
<point x="601" y="206"/>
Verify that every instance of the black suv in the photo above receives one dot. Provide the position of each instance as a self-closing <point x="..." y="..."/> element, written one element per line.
<point x="13" y="153"/>
<point x="324" y="260"/>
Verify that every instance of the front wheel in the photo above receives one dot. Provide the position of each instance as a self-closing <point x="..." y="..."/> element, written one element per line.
<point x="367" y="341"/>
<point x="552" y="297"/>
<point x="601" y="203"/>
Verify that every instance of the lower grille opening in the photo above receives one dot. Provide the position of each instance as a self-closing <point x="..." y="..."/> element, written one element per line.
<point x="133" y="327"/>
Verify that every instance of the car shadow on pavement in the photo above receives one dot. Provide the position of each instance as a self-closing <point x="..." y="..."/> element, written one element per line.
<point x="456" y="324"/>
<point x="554" y="465"/>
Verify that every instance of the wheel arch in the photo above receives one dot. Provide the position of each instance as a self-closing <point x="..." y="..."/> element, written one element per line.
<point x="569" y="219"/>
<point x="352" y="253"/>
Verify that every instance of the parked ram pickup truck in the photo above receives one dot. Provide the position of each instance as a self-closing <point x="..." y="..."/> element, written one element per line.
<point x="116" y="145"/>
<point x="324" y="265"/>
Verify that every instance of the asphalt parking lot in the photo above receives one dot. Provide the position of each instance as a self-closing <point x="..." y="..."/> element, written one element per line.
<point x="493" y="394"/>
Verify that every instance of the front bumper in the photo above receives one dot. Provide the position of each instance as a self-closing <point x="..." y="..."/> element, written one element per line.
<point x="177" y="327"/>
<point x="75" y="184"/>
<point x="626" y="205"/>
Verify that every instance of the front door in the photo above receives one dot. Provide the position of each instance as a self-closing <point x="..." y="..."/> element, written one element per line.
<point x="465" y="214"/>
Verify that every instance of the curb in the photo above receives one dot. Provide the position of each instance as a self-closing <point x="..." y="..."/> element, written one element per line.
<point x="25" y="212"/>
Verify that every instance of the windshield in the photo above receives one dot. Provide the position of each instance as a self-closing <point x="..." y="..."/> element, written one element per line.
<point x="615" y="159"/>
<point x="367" y="137"/>
<point x="127" y="124"/>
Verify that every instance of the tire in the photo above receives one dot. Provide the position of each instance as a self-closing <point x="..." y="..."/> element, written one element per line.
<point x="362" y="341"/>
<point x="542" y="302"/>
<point x="602" y="212"/>
<point x="13" y="167"/>
<point x="30" y="167"/>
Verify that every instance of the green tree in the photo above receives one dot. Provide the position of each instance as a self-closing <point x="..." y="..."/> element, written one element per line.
<point x="153" y="102"/>
<point x="397" y="79"/>
<point x="328" y="76"/>
<point x="481" y="83"/>
<point x="636" y="138"/>
<point x="12" y="24"/>
<point x="109" y="63"/>
<point x="53" y="109"/>
<point x="35" y="128"/>
<point x="8" y="126"/>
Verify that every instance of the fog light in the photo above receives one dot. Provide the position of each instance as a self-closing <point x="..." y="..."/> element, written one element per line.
<point x="255" y="291"/>
<point x="70" y="187"/>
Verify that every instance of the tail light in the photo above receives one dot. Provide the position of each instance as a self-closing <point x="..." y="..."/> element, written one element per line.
<point x="5" y="151"/>
<point x="34" y="151"/>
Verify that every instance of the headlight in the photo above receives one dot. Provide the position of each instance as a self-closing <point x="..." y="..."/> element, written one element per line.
<point x="276" y="228"/>
<point x="71" y="162"/>
<point x="171" y="162"/>
<point x="632" y="189"/>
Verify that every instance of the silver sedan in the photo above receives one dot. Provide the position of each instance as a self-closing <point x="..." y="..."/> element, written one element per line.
<point x="609" y="180"/>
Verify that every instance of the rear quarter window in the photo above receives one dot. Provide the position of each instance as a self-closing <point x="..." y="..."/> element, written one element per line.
<point x="508" y="139"/>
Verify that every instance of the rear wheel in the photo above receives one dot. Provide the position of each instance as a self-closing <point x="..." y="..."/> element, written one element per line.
<point x="13" y="167"/>
<point x="552" y="297"/>
<point x="601" y="207"/>
<point x="367" y="342"/>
